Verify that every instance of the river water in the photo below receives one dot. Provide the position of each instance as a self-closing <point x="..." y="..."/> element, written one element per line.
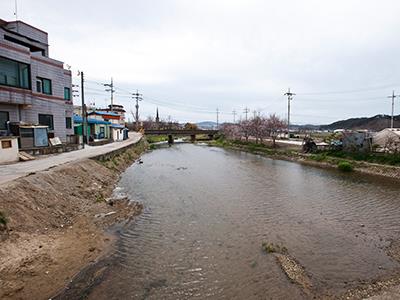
<point x="208" y="210"/>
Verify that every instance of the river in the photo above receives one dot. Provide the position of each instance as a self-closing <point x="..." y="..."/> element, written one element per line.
<point x="208" y="210"/>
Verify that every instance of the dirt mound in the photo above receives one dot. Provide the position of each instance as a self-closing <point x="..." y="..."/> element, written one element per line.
<point x="53" y="223"/>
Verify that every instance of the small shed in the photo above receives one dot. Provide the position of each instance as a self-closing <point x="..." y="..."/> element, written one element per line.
<point x="8" y="149"/>
<point x="117" y="132"/>
<point x="32" y="136"/>
<point x="357" y="141"/>
<point x="96" y="129"/>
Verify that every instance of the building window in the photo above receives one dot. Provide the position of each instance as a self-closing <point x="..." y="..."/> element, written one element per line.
<point x="67" y="93"/>
<point x="68" y="122"/>
<point x="43" y="86"/>
<point x="13" y="73"/>
<point x="46" y="120"/>
<point x="6" y="144"/>
<point x="4" y="118"/>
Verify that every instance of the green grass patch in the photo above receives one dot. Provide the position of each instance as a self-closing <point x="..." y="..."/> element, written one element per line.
<point x="378" y="158"/>
<point x="318" y="157"/>
<point x="156" y="138"/>
<point x="345" y="166"/>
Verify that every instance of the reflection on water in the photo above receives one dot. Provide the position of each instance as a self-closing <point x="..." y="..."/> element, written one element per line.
<point x="207" y="211"/>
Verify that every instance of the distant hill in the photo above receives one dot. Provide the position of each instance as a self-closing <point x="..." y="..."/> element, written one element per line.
<point x="375" y="123"/>
<point x="304" y="127"/>
<point x="206" y="125"/>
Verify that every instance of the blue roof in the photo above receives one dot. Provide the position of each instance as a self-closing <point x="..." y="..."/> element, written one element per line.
<point x="117" y="126"/>
<point x="102" y="113"/>
<point x="78" y="119"/>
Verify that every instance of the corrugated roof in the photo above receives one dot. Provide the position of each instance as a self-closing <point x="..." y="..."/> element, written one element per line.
<point x="102" y="113"/>
<point x="117" y="126"/>
<point x="78" y="119"/>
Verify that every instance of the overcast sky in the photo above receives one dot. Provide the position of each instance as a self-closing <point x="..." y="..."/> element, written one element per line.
<point x="341" y="57"/>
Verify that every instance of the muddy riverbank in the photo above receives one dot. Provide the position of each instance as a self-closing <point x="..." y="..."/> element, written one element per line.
<point x="54" y="223"/>
<point x="362" y="167"/>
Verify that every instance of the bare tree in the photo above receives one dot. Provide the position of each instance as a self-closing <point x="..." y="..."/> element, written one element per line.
<point x="274" y="125"/>
<point x="232" y="131"/>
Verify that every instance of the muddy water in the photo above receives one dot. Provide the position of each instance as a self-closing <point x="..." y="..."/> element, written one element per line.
<point x="207" y="211"/>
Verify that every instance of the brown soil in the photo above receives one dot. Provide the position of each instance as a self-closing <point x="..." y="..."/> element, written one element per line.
<point x="56" y="222"/>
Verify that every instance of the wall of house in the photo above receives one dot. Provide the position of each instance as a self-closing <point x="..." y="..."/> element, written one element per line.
<point x="12" y="111"/>
<point x="31" y="103"/>
<point x="9" y="154"/>
<point x="28" y="31"/>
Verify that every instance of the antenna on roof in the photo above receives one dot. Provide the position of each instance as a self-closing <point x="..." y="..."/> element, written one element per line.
<point x="16" y="10"/>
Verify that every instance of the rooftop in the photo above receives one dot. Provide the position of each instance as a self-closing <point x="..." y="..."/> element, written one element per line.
<point x="104" y="113"/>
<point x="78" y="119"/>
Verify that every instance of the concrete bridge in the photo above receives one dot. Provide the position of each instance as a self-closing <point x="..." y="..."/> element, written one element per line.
<point x="181" y="132"/>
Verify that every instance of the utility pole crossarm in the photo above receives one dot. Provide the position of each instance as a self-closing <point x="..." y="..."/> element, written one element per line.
<point x="111" y="90"/>
<point x="138" y="97"/>
<point x="246" y="111"/>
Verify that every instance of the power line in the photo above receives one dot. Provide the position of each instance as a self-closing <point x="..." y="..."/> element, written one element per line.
<point x="349" y="91"/>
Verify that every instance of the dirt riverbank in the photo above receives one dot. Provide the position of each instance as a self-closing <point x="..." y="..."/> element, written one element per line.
<point x="56" y="222"/>
<point x="362" y="167"/>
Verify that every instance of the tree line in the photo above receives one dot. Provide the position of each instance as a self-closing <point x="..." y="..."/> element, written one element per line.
<point x="257" y="127"/>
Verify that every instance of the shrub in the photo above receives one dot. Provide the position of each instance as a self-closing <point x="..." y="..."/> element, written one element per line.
<point x="345" y="166"/>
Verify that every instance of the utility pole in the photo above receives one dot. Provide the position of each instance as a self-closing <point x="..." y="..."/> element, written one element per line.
<point x="234" y="116"/>
<point x="290" y="98"/>
<point x="246" y="111"/>
<point x="84" y="115"/>
<point x="393" y="96"/>
<point x="137" y="97"/>
<point x="217" y="118"/>
<point x="111" y="90"/>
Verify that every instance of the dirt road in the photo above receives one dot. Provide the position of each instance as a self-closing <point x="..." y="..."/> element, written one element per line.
<point x="13" y="171"/>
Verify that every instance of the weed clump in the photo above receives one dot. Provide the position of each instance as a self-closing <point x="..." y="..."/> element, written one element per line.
<point x="345" y="166"/>
<point x="274" y="248"/>
<point x="3" y="221"/>
<point x="100" y="198"/>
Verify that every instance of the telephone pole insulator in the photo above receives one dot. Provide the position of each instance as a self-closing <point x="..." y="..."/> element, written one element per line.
<point x="138" y="97"/>
<point x="111" y="90"/>
<point x="246" y="111"/>
<point x="234" y="116"/>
